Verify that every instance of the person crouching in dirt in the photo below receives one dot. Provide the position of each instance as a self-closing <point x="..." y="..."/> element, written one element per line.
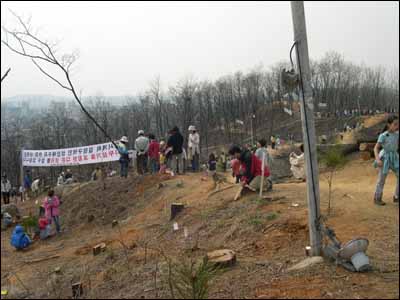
<point x="51" y="205"/>
<point x="19" y="239"/>
<point x="124" y="156"/>
<point x="251" y="167"/>
<point x="387" y="158"/>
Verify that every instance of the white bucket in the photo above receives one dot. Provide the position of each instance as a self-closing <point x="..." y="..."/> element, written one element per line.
<point x="360" y="261"/>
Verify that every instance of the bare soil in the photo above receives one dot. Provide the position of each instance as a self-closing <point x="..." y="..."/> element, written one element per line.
<point x="268" y="238"/>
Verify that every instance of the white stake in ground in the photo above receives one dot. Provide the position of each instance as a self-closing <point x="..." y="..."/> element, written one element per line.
<point x="262" y="175"/>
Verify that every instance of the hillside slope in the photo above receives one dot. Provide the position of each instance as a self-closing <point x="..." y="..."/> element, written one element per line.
<point x="268" y="238"/>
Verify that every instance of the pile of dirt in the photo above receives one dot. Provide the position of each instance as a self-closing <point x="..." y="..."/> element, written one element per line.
<point x="96" y="205"/>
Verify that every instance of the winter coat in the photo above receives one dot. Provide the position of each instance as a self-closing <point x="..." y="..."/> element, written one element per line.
<point x="193" y="144"/>
<point x="51" y="207"/>
<point x="19" y="239"/>
<point x="297" y="165"/>
<point x="142" y="145"/>
<point x="35" y="185"/>
<point x="176" y="142"/>
<point x="235" y="164"/>
<point x="5" y="186"/>
<point x="27" y="182"/>
<point x="123" y="152"/>
<point x="43" y="222"/>
<point x="154" y="150"/>
<point x="251" y="166"/>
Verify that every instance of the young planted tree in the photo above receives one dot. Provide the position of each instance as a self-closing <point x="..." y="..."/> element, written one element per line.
<point x="192" y="280"/>
<point x="333" y="160"/>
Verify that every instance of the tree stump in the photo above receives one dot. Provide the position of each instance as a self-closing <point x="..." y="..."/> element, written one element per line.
<point x="99" y="248"/>
<point x="90" y="218"/>
<point x="77" y="290"/>
<point x="221" y="258"/>
<point x="175" y="209"/>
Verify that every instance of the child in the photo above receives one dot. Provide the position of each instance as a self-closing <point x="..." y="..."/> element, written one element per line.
<point x="387" y="158"/>
<point x="51" y="205"/>
<point x="44" y="227"/>
<point x="163" y="166"/>
<point x="212" y="165"/>
<point x="19" y="239"/>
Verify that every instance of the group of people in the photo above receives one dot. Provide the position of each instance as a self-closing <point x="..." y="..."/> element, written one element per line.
<point x="65" y="178"/>
<point x="158" y="156"/>
<point x="48" y="215"/>
<point x="10" y="192"/>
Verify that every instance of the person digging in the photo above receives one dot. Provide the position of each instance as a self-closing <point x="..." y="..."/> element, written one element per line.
<point x="251" y="167"/>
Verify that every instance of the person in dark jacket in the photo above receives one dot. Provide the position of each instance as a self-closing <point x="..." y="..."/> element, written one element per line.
<point x="19" y="239"/>
<point x="175" y="141"/>
<point x="251" y="168"/>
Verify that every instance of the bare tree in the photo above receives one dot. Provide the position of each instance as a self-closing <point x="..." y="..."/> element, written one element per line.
<point x="44" y="57"/>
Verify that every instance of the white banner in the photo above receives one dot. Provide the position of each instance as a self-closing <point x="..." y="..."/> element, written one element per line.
<point x="93" y="154"/>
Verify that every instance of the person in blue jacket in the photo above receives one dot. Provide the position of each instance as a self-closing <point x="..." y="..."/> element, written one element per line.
<point x="19" y="239"/>
<point x="124" y="156"/>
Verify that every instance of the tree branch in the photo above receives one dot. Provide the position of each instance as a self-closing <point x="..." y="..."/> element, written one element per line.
<point x="5" y="75"/>
<point x="51" y="77"/>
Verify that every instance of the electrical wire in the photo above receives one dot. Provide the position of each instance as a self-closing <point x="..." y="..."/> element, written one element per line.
<point x="290" y="54"/>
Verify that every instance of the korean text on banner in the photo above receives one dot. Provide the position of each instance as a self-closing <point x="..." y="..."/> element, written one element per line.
<point x="93" y="154"/>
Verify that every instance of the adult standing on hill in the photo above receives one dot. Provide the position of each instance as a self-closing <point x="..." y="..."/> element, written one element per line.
<point x="27" y="182"/>
<point x="124" y="156"/>
<point x="387" y="158"/>
<point x="142" y="148"/>
<point x="175" y="141"/>
<point x="5" y="189"/>
<point x="194" y="147"/>
<point x="154" y="154"/>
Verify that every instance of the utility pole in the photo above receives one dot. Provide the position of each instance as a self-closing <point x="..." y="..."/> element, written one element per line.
<point x="307" y="119"/>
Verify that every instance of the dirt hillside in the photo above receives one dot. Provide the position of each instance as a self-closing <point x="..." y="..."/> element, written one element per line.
<point x="268" y="238"/>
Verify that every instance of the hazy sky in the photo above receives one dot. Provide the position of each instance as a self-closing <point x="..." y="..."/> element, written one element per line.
<point x="125" y="45"/>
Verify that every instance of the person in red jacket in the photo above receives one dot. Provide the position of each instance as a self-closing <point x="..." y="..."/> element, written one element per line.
<point x="154" y="154"/>
<point x="251" y="168"/>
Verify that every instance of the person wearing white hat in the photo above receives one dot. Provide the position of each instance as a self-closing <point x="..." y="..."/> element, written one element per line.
<point x="124" y="156"/>
<point x="194" y="147"/>
<point x="142" y="148"/>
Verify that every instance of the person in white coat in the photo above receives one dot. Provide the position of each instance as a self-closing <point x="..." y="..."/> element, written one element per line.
<point x="194" y="148"/>
<point x="297" y="164"/>
<point x="5" y="189"/>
